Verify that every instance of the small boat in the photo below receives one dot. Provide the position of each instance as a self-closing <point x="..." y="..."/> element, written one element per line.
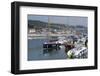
<point x="78" y="52"/>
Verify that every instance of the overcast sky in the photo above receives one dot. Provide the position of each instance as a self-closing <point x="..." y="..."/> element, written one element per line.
<point x="71" y="20"/>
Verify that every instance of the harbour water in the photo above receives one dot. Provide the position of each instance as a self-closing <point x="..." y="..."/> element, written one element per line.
<point x="36" y="51"/>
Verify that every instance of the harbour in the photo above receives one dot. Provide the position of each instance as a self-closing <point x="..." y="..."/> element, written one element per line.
<point x="57" y="37"/>
<point x="42" y="48"/>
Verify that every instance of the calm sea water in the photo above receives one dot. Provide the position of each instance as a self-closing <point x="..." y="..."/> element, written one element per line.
<point x="36" y="51"/>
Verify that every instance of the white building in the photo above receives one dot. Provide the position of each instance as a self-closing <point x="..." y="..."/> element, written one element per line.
<point x="32" y="30"/>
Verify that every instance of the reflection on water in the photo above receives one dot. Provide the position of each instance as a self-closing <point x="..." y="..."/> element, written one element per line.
<point x="36" y="51"/>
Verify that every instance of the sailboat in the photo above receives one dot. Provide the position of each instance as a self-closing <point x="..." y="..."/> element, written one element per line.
<point x="52" y="42"/>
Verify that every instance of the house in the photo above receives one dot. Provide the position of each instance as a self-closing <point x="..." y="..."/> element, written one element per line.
<point x="31" y="30"/>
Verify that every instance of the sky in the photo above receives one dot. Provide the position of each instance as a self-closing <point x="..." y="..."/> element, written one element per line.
<point x="70" y="20"/>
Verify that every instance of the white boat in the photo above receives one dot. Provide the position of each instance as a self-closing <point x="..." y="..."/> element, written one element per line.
<point x="77" y="52"/>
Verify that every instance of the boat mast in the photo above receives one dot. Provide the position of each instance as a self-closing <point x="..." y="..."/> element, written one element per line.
<point x="48" y="36"/>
